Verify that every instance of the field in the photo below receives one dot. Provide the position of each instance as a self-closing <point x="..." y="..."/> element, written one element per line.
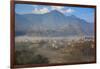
<point x="54" y="50"/>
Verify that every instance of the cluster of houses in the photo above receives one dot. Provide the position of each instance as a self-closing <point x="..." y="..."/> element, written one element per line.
<point x="60" y="43"/>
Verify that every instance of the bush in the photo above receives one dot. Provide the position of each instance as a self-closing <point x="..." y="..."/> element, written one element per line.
<point x="26" y="55"/>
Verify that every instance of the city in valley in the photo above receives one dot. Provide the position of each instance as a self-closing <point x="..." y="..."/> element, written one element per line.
<point x="46" y="50"/>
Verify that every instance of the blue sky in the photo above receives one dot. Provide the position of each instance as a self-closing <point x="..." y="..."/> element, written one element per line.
<point x="83" y="13"/>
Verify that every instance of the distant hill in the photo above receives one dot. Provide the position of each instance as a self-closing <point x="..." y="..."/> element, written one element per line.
<point x="53" y="23"/>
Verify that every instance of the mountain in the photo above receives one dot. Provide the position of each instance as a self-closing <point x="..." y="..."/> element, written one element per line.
<point x="53" y="23"/>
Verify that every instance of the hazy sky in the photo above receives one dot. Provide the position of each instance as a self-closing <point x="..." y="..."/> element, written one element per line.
<point x="83" y="13"/>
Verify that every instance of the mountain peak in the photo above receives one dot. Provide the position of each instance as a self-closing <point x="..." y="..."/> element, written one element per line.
<point x="56" y="11"/>
<point x="72" y="15"/>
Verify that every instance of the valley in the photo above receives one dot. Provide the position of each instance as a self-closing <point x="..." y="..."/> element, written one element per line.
<point x="54" y="50"/>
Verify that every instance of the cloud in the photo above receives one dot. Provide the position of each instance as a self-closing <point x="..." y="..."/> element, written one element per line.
<point x="40" y="11"/>
<point x="56" y="7"/>
<point x="62" y="9"/>
<point x="46" y="10"/>
<point x="69" y="10"/>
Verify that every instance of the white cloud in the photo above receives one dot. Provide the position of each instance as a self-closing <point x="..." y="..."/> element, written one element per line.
<point x="40" y="11"/>
<point x="56" y="7"/>
<point x="61" y="9"/>
<point x="46" y="10"/>
<point x="69" y="10"/>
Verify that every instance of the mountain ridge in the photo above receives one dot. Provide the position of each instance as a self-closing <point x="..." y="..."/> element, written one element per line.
<point x="53" y="23"/>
